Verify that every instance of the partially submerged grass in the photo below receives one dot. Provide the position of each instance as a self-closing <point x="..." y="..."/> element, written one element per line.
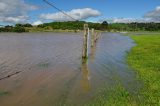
<point x="3" y="93"/>
<point x="113" y="96"/>
<point x="145" y="59"/>
<point x="44" y="64"/>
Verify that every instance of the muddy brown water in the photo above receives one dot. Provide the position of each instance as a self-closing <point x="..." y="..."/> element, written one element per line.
<point x="51" y="70"/>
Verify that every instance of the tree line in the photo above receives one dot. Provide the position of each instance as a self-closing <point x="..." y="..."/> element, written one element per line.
<point x="78" y="25"/>
<point x="74" y="25"/>
<point x="134" y="26"/>
<point x="16" y="28"/>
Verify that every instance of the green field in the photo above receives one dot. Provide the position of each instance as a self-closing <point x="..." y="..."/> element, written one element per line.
<point x="145" y="59"/>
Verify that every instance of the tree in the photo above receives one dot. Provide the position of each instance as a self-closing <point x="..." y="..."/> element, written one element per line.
<point x="27" y="25"/>
<point x="19" y="29"/>
<point x="104" y="25"/>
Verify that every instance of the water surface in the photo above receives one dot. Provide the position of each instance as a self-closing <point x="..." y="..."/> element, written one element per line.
<point x="51" y="69"/>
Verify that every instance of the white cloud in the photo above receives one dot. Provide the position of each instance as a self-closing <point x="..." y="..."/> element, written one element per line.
<point x="158" y="8"/>
<point x="154" y="15"/>
<point x="11" y="19"/>
<point x="14" y="11"/>
<point x="37" y="23"/>
<point x="126" y="20"/>
<point x="78" y="14"/>
<point x="122" y="20"/>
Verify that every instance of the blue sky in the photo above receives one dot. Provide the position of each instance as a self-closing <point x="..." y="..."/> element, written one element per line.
<point x="109" y="8"/>
<point x="37" y="10"/>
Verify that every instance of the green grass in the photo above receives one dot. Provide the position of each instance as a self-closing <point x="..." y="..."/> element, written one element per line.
<point x="113" y="96"/>
<point x="145" y="59"/>
<point x="3" y="93"/>
<point x="36" y="29"/>
<point x="44" y="64"/>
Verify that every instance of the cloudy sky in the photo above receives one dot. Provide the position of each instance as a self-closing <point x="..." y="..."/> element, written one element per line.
<point x="37" y="11"/>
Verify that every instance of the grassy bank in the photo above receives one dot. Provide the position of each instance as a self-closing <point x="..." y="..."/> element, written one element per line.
<point x="36" y="29"/>
<point x="145" y="59"/>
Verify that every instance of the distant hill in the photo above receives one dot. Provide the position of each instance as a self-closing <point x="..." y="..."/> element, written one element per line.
<point x="72" y="25"/>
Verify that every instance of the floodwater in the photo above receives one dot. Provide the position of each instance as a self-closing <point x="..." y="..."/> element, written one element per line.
<point x="45" y="69"/>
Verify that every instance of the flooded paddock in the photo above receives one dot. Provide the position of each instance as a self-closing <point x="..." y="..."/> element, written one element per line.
<point x="49" y="71"/>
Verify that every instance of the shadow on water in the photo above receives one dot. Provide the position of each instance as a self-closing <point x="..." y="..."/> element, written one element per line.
<point x="52" y="72"/>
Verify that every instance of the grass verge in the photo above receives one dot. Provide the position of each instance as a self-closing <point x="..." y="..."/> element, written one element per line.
<point x="145" y="59"/>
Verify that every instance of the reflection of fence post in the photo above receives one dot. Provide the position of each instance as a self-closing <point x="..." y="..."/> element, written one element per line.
<point x="85" y="42"/>
<point x="85" y="77"/>
<point x="97" y="35"/>
<point x="92" y="38"/>
<point x="95" y="39"/>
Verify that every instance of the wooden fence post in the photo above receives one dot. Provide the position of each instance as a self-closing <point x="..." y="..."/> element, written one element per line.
<point x="92" y="37"/>
<point x="85" y="42"/>
<point x="88" y="41"/>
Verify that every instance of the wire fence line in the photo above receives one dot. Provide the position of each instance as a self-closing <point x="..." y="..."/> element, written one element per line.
<point x="52" y="5"/>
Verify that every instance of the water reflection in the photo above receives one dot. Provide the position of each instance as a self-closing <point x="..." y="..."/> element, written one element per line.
<point x="93" y="52"/>
<point x="50" y="66"/>
<point x="85" y="82"/>
<point x="85" y="69"/>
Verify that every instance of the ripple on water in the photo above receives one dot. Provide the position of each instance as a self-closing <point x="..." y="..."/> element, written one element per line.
<point x="51" y="67"/>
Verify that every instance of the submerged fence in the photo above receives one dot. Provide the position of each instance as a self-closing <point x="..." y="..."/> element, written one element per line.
<point x="86" y="40"/>
<point x="89" y="43"/>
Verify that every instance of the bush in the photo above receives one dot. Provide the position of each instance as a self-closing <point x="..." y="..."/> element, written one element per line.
<point x="19" y="29"/>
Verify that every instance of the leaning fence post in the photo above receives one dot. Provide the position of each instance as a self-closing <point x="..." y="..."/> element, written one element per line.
<point x="88" y="38"/>
<point x="85" y="42"/>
